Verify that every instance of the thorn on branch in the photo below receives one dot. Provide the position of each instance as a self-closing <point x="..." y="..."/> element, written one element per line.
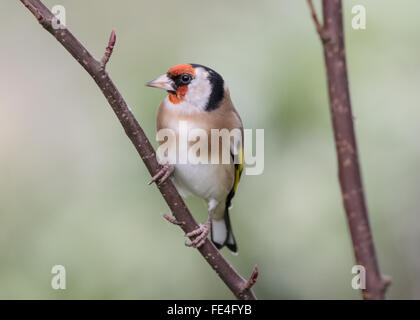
<point x="252" y="279"/>
<point x="172" y="220"/>
<point x="319" y="27"/>
<point x="109" y="49"/>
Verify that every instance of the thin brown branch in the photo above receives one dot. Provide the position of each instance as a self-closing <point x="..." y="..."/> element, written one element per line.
<point x="345" y="141"/>
<point x="137" y="136"/>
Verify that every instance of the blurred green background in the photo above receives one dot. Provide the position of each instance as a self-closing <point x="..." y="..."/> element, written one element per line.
<point x="73" y="189"/>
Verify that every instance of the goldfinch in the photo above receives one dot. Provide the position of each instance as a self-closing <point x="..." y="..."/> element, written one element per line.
<point x="199" y="97"/>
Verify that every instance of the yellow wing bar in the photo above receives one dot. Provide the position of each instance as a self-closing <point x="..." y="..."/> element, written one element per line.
<point x="238" y="168"/>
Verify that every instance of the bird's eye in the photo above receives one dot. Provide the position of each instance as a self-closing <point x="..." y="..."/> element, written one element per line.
<point x="185" y="78"/>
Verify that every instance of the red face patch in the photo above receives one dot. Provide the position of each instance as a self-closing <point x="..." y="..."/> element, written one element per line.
<point x="179" y="96"/>
<point x="177" y="70"/>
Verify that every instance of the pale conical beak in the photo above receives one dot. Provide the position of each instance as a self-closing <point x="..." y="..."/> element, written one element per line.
<point x="163" y="82"/>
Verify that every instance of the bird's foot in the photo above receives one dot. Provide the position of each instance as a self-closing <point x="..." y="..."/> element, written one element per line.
<point x="163" y="174"/>
<point x="200" y="235"/>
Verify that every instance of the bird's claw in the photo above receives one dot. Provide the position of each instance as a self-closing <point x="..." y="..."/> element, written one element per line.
<point x="200" y="235"/>
<point x="163" y="174"/>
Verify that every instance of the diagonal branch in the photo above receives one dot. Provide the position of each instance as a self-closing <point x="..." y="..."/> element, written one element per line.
<point x="137" y="136"/>
<point x="345" y="141"/>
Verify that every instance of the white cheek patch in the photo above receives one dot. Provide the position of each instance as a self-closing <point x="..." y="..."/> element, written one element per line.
<point x="199" y="90"/>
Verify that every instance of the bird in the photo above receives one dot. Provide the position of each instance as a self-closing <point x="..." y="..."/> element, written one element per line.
<point x="199" y="97"/>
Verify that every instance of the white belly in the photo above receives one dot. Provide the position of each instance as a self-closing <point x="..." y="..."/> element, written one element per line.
<point x="208" y="181"/>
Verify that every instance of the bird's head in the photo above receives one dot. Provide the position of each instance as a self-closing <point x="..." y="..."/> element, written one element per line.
<point x="192" y="86"/>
